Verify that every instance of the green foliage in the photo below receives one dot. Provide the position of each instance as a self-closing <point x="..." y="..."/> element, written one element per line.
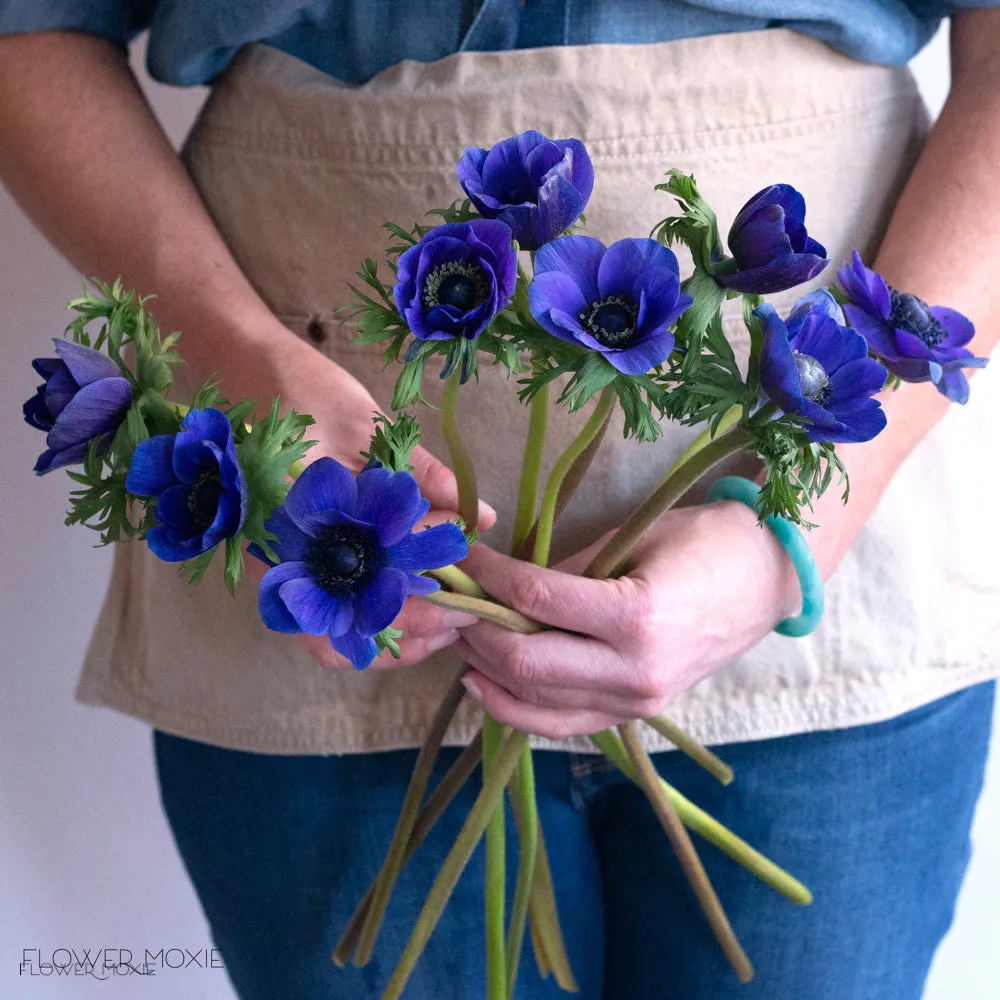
<point x="124" y="321"/>
<point x="696" y="227"/>
<point x="393" y="443"/>
<point x="386" y="641"/>
<point x="704" y="386"/>
<point x="797" y="470"/>
<point x="267" y="451"/>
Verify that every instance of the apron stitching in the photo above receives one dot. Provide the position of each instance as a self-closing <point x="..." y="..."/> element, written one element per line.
<point x="306" y="148"/>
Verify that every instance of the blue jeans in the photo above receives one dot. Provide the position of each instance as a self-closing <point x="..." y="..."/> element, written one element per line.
<point x="874" y="819"/>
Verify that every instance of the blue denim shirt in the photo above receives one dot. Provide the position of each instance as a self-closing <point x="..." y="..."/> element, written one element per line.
<point x="191" y="41"/>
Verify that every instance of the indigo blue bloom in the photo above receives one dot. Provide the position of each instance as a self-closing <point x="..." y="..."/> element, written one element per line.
<point x="770" y="245"/>
<point x="620" y="300"/>
<point x="815" y="367"/>
<point x="456" y="279"/>
<point x="349" y="555"/>
<point x="199" y="485"/>
<point x="915" y="341"/>
<point x="84" y="396"/>
<point x="538" y="186"/>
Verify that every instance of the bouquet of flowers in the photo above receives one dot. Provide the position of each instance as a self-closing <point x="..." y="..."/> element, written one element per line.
<point x="504" y="278"/>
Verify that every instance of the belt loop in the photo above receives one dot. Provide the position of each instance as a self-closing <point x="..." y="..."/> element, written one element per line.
<point x="494" y="28"/>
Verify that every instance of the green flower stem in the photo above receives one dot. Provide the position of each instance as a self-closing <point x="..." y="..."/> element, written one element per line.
<point x="675" y="484"/>
<point x="461" y="583"/>
<point x="495" y="897"/>
<point x="531" y="467"/>
<point x="546" y="934"/>
<point x="711" y="829"/>
<point x="550" y="949"/>
<point x="523" y="790"/>
<point x="439" y="800"/>
<point x="461" y="461"/>
<point x="570" y="483"/>
<point x="649" y="781"/>
<point x="690" y="747"/>
<point x="546" y="516"/>
<point x="422" y="769"/>
<point x="729" y="420"/>
<point x="490" y="610"/>
<point x="458" y="857"/>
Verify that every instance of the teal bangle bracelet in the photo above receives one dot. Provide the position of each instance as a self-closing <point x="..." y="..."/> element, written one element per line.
<point x="738" y="488"/>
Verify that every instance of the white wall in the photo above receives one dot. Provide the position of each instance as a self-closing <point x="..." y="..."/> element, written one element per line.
<point x="86" y="860"/>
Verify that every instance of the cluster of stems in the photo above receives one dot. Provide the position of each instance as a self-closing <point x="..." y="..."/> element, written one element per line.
<point x="505" y="756"/>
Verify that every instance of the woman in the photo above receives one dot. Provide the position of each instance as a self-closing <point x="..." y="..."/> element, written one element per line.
<point x="847" y="744"/>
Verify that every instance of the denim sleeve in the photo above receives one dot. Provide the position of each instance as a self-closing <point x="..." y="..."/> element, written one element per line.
<point x="945" y="8"/>
<point x="115" y="20"/>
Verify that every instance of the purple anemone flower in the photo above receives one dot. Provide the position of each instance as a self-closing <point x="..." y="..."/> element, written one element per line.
<point x="456" y="279"/>
<point x="815" y="367"/>
<point x="620" y="300"/>
<point x="770" y="245"/>
<point x="915" y="341"/>
<point x="538" y="186"/>
<point x="199" y="485"/>
<point x="84" y="396"/>
<point x="348" y="555"/>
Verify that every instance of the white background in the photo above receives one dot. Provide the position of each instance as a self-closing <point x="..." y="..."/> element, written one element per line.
<point x="86" y="859"/>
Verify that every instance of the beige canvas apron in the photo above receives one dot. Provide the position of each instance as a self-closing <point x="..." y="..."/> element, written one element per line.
<point x="299" y="171"/>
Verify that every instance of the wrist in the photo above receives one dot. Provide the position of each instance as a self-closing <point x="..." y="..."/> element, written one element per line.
<point x="754" y="560"/>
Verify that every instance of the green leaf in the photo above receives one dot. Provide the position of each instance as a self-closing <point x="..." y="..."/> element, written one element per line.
<point x="234" y="564"/>
<point x="392" y="443"/>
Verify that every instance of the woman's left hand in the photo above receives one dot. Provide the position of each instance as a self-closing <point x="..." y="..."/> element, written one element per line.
<point x="705" y="585"/>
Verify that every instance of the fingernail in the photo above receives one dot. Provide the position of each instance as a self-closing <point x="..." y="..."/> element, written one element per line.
<point x="442" y="640"/>
<point x="458" y="619"/>
<point x="472" y="687"/>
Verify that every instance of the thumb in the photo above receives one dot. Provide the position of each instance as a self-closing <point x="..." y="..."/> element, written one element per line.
<point x="438" y="485"/>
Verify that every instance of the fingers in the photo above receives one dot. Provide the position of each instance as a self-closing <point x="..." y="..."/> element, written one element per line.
<point x="627" y="696"/>
<point x="437" y="484"/>
<point x="551" y="659"/>
<point x="420" y="619"/>
<point x="607" y="609"/>
<point x="555" y="724"/>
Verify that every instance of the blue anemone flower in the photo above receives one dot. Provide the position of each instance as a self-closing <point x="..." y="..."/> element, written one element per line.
<point x="348" y="555"/>
<point x="915" y="341"/>
<point x="538" y="186"/>
<point x="813" y="366"/>
<point x="770" y="245"/>
<point x="620" y="300"/>
<point x="199" y="485"/>
<point x="84" y="396"/>
<point x="453" y="282"/>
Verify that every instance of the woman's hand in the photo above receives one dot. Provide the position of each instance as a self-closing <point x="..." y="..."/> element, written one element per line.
<point x="705" y="585"/>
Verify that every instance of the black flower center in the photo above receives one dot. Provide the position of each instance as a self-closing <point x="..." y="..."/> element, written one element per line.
<point x="914" y="315"/>
<point x="461" y="284"/>
<point x="815" y="381"/>
<point x="611" y="321"/>
<point x="203" y="498"/>
<point x="341" y="558"/>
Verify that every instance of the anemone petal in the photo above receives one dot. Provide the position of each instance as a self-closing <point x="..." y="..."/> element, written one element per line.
<point x="325" y="485"/>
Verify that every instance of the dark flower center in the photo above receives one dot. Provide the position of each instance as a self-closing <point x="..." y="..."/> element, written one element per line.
<point x="815" y="381"/>
<point x="461" y="284"/>
<point x="341" y="558"/>
<point x="203" y="498"/>
<point x="611" y="321"/>
<point x="913" y="315"/>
